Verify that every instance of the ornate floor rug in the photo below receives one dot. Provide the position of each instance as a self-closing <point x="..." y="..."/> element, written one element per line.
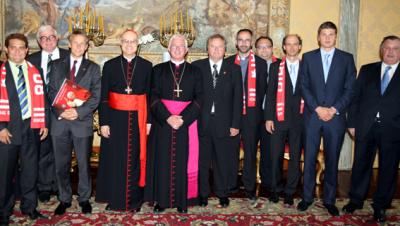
<point x="240" y="213"/>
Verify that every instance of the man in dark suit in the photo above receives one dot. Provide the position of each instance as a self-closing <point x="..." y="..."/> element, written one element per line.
<point x="374" y="121"/>
<point x="264" y="49"/>
<point x="254" y="79"/>
<point x="284" y="120"/>
<point x="219" y="119"/>
<point x="22" y="126"/>
<point x="48" y="40"/>
<point x="327" y="81"/>
<point x="73" y="127"/>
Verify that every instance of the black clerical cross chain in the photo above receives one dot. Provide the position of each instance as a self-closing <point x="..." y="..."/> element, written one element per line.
<point x="177" y="83"/>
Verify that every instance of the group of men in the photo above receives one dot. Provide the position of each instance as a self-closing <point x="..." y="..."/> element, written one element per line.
<point x="165" y="128"/>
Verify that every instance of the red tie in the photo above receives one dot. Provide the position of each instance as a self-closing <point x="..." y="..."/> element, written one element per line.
<point x="72" y="72"/>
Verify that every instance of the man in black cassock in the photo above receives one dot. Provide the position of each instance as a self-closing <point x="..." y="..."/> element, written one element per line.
<point x="173" y="142"/>
<point x="123" y="116"/>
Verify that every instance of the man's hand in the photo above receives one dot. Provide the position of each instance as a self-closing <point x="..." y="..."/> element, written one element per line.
<point x="352" y="132"/>
<point x="324" y="113"/>
<point x="269" y="126"/>
<point x="233" y="132"/>
<point x="69" y="114"/>
<point x="5" y="136"/>
<point x="105" y="131"/>
<point x="175" y="121"/>
<point x="148" y="128"/>
<point x="43" y="133"/>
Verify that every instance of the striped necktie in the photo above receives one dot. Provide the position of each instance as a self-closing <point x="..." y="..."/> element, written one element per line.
<point x="385" y="79"/>
<point x="215" y="75"/>
<point x="22" y="92"/>
<point x="47" y="79"/>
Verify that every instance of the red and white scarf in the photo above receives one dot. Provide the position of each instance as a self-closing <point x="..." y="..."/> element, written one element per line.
<point x="281" y="91"/>
<point x="251" y="81"/>
<point x="36" y="92"/>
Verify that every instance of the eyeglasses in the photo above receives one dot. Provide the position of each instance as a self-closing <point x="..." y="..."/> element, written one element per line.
<point x="47" y="38"/>
<point x="125" y="41"/>
<point x="264" y="47"/>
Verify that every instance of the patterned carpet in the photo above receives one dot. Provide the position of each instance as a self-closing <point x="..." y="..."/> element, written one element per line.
<point x="240" y="212"/>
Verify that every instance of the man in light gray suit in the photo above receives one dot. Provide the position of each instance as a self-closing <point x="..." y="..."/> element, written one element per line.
<point x="73" y="128"/>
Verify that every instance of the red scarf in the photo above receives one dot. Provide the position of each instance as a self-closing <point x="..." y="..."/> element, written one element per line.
<point x="280" y="92"/>
<point x="36" y="92"/>
<point x="251" y="81"/>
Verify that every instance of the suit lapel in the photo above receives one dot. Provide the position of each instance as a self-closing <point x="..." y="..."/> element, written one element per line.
<point x="332" y="67"/>
<point x="318" y="60"/>
<point x="67" y="67"/>
<point x="82" y="70"/>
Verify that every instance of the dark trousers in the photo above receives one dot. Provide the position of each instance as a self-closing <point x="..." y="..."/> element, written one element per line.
<point x="250" y="137"/>
<point x="63" y="146"/>
<point x="214" y="153"/>
<point x="265" y="152"/>
<point x="22" y="158"/>
<point x="364" y="156"/>
<point x="46" y="171"/>
<point x="279" y="139"/>
<point x="332" y="133"/>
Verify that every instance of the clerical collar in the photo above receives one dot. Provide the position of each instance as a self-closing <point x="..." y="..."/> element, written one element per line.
<point x="177" y="62"/>
<point x="129" y="59"/>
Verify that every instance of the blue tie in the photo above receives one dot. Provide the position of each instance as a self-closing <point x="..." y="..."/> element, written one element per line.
<point x="22" y="93"/>
<point x="326" y="66"/>
<point x="385" y="79"/>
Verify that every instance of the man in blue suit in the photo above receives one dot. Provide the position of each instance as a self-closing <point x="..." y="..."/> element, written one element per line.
<point x="328" y="76"/>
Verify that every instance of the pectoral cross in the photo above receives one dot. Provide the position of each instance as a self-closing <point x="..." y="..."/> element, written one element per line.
<point x="177" y="90"/>
<point x="128" y="90"/>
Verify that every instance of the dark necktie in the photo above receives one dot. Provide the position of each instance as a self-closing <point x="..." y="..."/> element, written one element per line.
<point x="385" y="79"/>
<point x="22" y="92"/>
<point x="215" y="75"/>
<point x="72" y="72"/>
<point x="47" y="79"/>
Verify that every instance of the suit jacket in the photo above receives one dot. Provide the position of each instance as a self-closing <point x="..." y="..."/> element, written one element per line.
<point x="36" y="59"/>
<point x="89" y="77"/>
<point x="227" y="97"/>
<point x="255" y="114"/>
<point x="368" y="101"/>
<point x="292" y="100"/>
<point x="14" y="126"/>
<point x="337" y="92"/>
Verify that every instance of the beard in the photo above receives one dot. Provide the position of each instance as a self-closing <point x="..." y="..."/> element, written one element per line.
<point x="243" y="49"/>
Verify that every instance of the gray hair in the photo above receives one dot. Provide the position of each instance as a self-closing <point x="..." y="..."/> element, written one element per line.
<point x="44" y="28"/>
<point x="177" y="36"/>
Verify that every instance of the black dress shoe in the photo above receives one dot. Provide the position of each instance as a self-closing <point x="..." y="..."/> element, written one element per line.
<point x="108" y="207"/>
<point x="203" y="202"/>
<point x="332" y="209"/>
<point x="303" y="205"/>
<point x="288" y="200"/>
<point x="351" y="207"/>
<point x="379" y="215"/>
<point x="34" y="215"/>
<point x="60" y="210"/>
<point x="274" y="197"/>
<point x="181" y="210"/>
<point x="224" y="202"/>
<point x="85" y="207"/>
<point x="135" y="210"/>
<point x="44" y="196"/>
<point x="158" y="209"/>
